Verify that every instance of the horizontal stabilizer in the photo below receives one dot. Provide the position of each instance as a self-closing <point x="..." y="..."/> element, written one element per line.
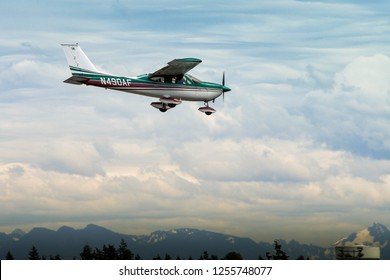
<point x="76" y="80"/>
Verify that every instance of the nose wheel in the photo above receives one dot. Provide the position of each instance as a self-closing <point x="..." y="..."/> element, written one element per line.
<point x="207" y="109"/>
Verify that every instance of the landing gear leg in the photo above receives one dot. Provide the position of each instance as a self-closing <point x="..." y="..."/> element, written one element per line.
<point x="208" y="113"/>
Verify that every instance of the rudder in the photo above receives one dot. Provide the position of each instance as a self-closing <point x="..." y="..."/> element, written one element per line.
<point x="77" y="59"/>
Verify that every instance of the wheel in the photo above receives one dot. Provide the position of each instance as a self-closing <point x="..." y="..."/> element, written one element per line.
<point x="171" y="105"/>
<point x="208" y="113"/>
<point x="163" y="110"/>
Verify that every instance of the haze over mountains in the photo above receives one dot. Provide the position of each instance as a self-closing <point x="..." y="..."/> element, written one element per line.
<point x="185" y="243"/>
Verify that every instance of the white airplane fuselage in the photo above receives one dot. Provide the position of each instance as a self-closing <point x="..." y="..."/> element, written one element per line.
<point x="157" y="89"/>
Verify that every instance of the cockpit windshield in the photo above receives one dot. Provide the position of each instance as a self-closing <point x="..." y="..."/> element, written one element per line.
<point x="193" y="79"/>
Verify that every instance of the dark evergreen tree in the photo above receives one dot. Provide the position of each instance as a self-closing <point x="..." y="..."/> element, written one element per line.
<point x="204" y="256"/>
<point x="109" y="252"/>
<point x="233" y="256"/>
<point x="33" y="254"/>
<point x="56" y="257"/>
<point x="87" y="253"/>
<point x="9" y="256"/>
<point x="168" y="257"/>
<point x="123" y="252"/>
<point x="279" y="254"/>
<point x="98" y="254"/>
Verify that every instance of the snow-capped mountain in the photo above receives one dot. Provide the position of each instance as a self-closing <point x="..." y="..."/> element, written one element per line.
<point x="17" y="234"/>
<point x="376" y="235"/>
<point x="188" y="234"/>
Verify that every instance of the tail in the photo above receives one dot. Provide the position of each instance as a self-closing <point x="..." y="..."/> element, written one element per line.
<point x="79" y="64"/>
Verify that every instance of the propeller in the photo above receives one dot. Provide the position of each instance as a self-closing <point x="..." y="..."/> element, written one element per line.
<point x="223" y="84"/>
<point x="224" y="88"/>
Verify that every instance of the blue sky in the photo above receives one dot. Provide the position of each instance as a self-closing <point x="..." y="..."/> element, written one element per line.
<point x="299" y="150"/>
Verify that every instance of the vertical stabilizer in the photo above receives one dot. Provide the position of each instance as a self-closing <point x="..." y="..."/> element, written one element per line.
<point x="77" y="59"/>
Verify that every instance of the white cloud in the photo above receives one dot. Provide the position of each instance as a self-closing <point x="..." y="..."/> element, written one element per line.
<point x="71" y="157"/>
<point x="28" y="73"/>
<point x="368" y="80"/>
<point x="352" y="115"/>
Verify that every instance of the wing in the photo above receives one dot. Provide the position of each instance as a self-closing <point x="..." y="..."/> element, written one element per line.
<point x="177" y="67"/>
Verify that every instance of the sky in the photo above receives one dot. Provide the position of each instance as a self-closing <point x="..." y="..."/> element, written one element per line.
<point x="299" y="149"/>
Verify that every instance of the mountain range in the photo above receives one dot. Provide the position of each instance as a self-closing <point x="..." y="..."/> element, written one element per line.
<point x="185" y="243"/>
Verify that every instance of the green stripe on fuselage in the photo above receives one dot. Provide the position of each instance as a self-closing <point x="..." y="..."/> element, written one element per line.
<point x="142" y="79"/>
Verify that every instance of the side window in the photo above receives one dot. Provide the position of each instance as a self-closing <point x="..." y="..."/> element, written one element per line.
<point x="158" y="79"/>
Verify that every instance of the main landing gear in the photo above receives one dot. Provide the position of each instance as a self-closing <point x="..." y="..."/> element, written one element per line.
<point x="165" y="104"/>
<point x="161" y="106"/>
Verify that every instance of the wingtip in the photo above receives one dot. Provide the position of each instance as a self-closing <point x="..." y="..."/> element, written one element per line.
<point x="189" y="59"/>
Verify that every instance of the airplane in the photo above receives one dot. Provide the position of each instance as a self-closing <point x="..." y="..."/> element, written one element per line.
<point x="170" y="84"/>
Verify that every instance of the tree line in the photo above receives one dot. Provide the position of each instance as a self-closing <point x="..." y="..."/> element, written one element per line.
<point x="122" y="252"/>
